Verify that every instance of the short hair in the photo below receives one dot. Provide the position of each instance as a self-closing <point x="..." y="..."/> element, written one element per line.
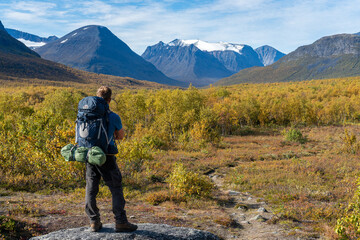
<point x="104" y="92"/>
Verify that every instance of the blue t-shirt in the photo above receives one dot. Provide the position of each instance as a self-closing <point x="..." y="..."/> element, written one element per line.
<point x="114" y="124"/>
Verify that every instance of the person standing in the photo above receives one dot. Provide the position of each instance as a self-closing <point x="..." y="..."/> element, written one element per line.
<point x="111" y="175"/>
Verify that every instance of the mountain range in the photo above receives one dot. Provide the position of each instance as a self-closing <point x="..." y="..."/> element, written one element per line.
<point x="96" y="49"/>
<point x="19" y="65"/>
<point x="17" y="60"/>
<point x="30" y="40"/>
<point x="329" y="57"/>
<point x="202" y="63"/>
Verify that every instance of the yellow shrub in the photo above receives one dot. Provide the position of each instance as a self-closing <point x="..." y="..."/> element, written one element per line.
<point x="182" y="181"/>
<point x="348" y="227"/>
<point x="155" y="198"/>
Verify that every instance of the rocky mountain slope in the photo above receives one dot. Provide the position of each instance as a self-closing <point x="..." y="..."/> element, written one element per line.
<point x="199" y="62"/>
<point x="268" y="55"/>
<point x="96" y="49"/>
<point x="329" y="57"/>
<point x="20" y="66"/>
<point x="16" y="60"/>
<point x="186" y="63"/>
<point x="30" y="40"/>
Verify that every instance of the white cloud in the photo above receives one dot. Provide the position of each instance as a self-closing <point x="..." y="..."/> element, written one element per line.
<point x="33" y="6"/>
<point x="96" y="7"/>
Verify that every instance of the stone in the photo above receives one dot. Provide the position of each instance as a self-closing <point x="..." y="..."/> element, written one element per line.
<point x="233" y="193"/>
<point x="262" y="209"/>
<point x="258" y="218"/>
<point x="146" y="231"/>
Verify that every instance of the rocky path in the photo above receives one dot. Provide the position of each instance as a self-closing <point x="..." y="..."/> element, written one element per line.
<point x="251" y="215"/>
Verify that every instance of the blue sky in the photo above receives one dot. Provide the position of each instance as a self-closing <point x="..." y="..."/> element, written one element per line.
<point x="283" y="24"/>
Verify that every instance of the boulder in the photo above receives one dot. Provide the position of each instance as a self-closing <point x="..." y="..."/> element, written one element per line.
<point x="145" y="231"/>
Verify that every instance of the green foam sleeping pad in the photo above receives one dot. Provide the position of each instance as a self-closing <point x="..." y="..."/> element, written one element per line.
<point x="96" y="156"/>
<point x="68" y="152"/>
<point x="81" y="153"/>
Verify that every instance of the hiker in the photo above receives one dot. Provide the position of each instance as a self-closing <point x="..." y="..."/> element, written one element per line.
<point x="110" y="173"/>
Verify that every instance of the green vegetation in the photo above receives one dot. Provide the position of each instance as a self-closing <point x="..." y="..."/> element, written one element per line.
<point x="174" y="136"/>
<point x="11" y="229"/>
<point x="305" y="68"/>
<point x="348" y="227"/>
<point x="185" y="182"/>
<point x="294" y="135"/>
<point x="351" y="145"/>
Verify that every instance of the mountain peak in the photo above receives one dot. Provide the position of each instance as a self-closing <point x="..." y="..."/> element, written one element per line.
<point x="268" y="55"/>
<point x="88" y="27"/>
<point x="199" y="62"/>
<point x="207" y="46"/>
<point x="2" y="26"/>
<point x="96" y="49"/>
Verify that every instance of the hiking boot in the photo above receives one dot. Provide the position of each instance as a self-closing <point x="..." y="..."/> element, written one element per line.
<point x="125" y="227"/>
<point x="95" y="226"/>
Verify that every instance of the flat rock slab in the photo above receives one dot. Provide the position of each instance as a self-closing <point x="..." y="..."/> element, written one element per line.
<point x="144" y="232"/>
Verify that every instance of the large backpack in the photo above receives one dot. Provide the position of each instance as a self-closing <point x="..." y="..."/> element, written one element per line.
<point x="92" y="123"/>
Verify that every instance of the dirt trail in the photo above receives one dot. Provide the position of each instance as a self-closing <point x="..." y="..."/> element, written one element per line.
<point x="250" y="215"/>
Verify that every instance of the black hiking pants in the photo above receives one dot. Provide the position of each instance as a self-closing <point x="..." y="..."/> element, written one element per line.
<point x="112" y="177"/>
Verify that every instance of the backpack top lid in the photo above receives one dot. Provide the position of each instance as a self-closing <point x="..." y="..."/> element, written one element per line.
<point x="92" y="108"/>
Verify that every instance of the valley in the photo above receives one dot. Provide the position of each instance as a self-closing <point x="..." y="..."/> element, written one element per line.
<point x="266" y="148"/>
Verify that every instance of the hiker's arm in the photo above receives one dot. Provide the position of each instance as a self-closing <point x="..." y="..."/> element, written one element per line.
<point x="119" y="134"/>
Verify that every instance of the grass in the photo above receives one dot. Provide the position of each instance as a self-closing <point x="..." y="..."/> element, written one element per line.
<point x="309" y="182"/>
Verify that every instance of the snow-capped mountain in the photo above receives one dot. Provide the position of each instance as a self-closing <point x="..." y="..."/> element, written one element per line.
<point x="200" y="62"/>
<point x="96" y="49"/>
<point x="208" y="47"/>
<point x="30" y="40"/>
<point x="268" y="55"/>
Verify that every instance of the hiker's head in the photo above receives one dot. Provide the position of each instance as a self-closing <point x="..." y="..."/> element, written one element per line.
<point x="105" y="93"/>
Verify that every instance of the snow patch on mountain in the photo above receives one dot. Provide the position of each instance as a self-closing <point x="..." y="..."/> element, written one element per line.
<point x="208" y="47"/>
<point x="64" y="41"/>
<point x="31" y="44"/>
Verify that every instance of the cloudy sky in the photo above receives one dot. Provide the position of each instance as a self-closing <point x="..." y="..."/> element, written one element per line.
<point x="283" y="24"/>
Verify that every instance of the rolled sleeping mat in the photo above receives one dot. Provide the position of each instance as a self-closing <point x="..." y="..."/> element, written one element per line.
<point x="96" y="156"/>
<point x="68" y="152"/>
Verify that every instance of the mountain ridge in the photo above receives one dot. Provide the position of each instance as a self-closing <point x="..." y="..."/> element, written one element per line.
<point x="96" y="49"/>
<point x="329" y="57"/>
<point x="10" y="45"/>
<point x="20" y="66"/>
<point x="199" y="62"/>
<point x="30" y="40"/>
